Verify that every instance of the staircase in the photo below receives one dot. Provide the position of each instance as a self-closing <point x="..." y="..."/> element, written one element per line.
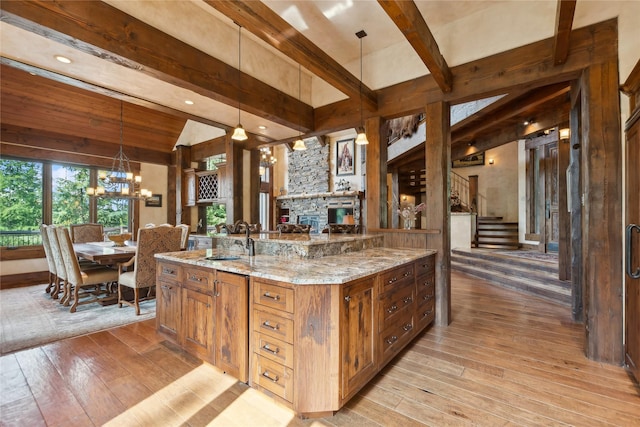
<point x="533" y="276"/>
<point x="493" y="232"/>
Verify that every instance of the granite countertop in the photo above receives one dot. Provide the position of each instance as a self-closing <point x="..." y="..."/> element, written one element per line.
<point x="333" y="269"/>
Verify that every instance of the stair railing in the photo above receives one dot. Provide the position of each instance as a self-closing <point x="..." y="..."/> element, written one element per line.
<point x="460" y="185"/>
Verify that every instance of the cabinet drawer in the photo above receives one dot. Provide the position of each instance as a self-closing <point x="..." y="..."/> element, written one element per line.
<point x="169" y="272"/>
<point x="394" y="338"/>
<point x="273" y="325"/>
<point x="426" y="314"/>
<point x="425" y="265"/>
<point x="273" y="348"/>
<point x="394" y="303"/>
<point x="396" y="277"/>
<point x="273" y="296"/>
<point x="200" y="280"/>
<point x="273" y="377"/>
<point x="426" y="290"/>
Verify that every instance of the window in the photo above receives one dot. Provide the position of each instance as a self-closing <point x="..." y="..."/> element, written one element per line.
<point x="27" y="186"/>
<point x="21" y="196"/>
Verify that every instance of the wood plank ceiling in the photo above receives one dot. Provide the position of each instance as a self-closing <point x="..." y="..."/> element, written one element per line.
<point x="69" y="109"/>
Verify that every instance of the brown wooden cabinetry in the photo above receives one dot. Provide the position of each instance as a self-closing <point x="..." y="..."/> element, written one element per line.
<point x="205" y="311"/>
<point x="357" y="321"/>
<point x="313" y="347"/>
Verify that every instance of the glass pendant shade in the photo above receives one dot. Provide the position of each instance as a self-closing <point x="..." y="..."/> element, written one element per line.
<point x="361" y="139"/>
<point x="299" y="145"/>
<point x="239" y="134"/>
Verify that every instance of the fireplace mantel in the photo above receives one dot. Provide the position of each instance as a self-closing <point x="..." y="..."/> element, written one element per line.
<point x="352" y="194"/>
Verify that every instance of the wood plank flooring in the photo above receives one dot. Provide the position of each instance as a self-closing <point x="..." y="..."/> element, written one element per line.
<point x="506" y="359"/>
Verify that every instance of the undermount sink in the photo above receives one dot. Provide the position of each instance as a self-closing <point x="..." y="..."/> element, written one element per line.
<point x="222" y="258"/>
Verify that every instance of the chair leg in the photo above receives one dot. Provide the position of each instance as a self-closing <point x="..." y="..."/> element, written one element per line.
<point x="76" y="298"/>
<point x="119" y="295"/>
<point x="136" y="301"/>
<point x="50" y="285"/>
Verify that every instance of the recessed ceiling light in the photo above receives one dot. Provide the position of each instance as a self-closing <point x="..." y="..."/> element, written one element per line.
<point x="188" y="102"/>
<point x="63" y="59"/>
<point x="262" y="127"/>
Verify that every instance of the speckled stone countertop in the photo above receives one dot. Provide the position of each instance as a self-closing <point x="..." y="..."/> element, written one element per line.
<point x="300" y="246"/>
<point x="333" y="269"/>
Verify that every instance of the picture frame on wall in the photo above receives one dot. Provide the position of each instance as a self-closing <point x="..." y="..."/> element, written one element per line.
<point x="155" y="201"/>
<point x="476" y="159"/>
<point x="345" y="157"/>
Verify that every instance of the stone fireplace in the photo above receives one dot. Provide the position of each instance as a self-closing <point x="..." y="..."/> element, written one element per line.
<point x="309" y="199"/>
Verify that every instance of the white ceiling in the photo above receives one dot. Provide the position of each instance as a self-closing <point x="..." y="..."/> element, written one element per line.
<point x="464" y="30"/>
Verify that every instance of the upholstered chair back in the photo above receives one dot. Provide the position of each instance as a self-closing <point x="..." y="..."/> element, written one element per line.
<point x="153" y="241"/>
<point x="83" y="233"/>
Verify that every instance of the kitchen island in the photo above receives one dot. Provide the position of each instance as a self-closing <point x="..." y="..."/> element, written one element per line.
<point x="308" y="332"/>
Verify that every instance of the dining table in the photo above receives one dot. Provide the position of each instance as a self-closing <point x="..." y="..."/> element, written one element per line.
<point x="105" y="252"/>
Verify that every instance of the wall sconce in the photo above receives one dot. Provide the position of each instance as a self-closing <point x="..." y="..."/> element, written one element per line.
<point x="564" y="134"/>
<point x="490" y="161"/>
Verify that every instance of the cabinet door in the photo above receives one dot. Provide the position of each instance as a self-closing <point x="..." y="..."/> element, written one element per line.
<point x="198" y="324"/>
<point x="358" y="334"/>
<point x="168" y="309"/>
<point x="190" y="187"/>
<point x="231" y="294"/>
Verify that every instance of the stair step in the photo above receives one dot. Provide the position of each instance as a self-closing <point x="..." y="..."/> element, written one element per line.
<point x="531" y="276"/>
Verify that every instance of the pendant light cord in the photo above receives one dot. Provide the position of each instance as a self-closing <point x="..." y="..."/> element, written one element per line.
<point x="239" y="68"/>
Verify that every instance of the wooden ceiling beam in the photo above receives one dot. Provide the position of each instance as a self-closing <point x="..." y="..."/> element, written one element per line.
<point x="97" y="151"/>
<point x="523" y="68"/>
<point x="101" y="30"/>
<point x="409" y="20"/>
<point x="564" y="22"/>
<point x="516" y="108"/>
<point x="264" y="23"/>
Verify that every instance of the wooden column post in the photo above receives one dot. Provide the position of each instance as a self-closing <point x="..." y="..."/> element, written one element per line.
<point x="254" y="188"/>
<point x="181" y="213"/>
<point x="233" y="179"/>
<point x="564" y="217"/>
<point x="376" y="171"/>
<point x="601" y="161"/>
<point x="438" y="215"/>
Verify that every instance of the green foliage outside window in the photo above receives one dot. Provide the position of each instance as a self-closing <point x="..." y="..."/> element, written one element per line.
<point x="20" y="198"/>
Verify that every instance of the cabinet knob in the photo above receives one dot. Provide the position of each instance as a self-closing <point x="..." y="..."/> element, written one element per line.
<point x="267" y="376"/>
<point x="347" y="298"/>
<point x="273" y="297"/>
<point x="268" y="324"/>
<point x="270" y="350"/>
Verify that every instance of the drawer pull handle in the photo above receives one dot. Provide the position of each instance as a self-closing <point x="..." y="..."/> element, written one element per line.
<point x="427" y="297"/>
<point x="392" y="280"/>
<point x="267" y="348"/>
<point x="392" y="339"/>
<point x="267" y="324"/>
<point x="427" y="282"/>
<point x="407" y="273"/>
<point x="168" y="271"/>
<point x="427" y="313"/>
<point x="408" y="327"/>
<point x="195" y="278"/>
<point x="266" y="375"/>
<point x="273" y="297"/>
<point x="392" y="308"/>
<point x="408" y="300"/>
<point x="347" y="298"/>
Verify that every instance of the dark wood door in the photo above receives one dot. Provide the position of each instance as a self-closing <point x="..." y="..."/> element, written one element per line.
<point x="552" y="213"/>
<point x="632" y="252"/>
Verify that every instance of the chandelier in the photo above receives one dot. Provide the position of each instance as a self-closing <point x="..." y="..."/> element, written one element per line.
<point x="119" y="182"/>
<point x="266" y="160"/>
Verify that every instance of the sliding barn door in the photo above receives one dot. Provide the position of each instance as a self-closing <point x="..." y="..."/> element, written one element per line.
<point x="632" y="249"/>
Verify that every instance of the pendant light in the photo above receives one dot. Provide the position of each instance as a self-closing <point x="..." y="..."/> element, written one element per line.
<point x="239" y="134"/>
<point x="299" y="145"/>
<point x="361" y="139"/>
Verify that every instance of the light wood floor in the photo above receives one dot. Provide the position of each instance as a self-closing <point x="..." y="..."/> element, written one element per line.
<point x="506" y="359"/>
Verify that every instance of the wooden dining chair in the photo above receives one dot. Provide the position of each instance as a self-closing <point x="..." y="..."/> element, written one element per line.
<point x="82" y="283"/>
<point x="51" y="263"/>
<point x="61" y="271"/>
<point x="89" y="232"/>
<point x="151" y="241"/>
<point x="185" y="235"/>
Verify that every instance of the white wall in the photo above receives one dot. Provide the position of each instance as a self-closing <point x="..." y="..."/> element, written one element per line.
<point x="497" y="183"/>
<point x="154" y="178"/>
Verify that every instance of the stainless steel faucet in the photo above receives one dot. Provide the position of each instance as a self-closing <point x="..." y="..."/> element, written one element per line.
<point x="250" y="243"/>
